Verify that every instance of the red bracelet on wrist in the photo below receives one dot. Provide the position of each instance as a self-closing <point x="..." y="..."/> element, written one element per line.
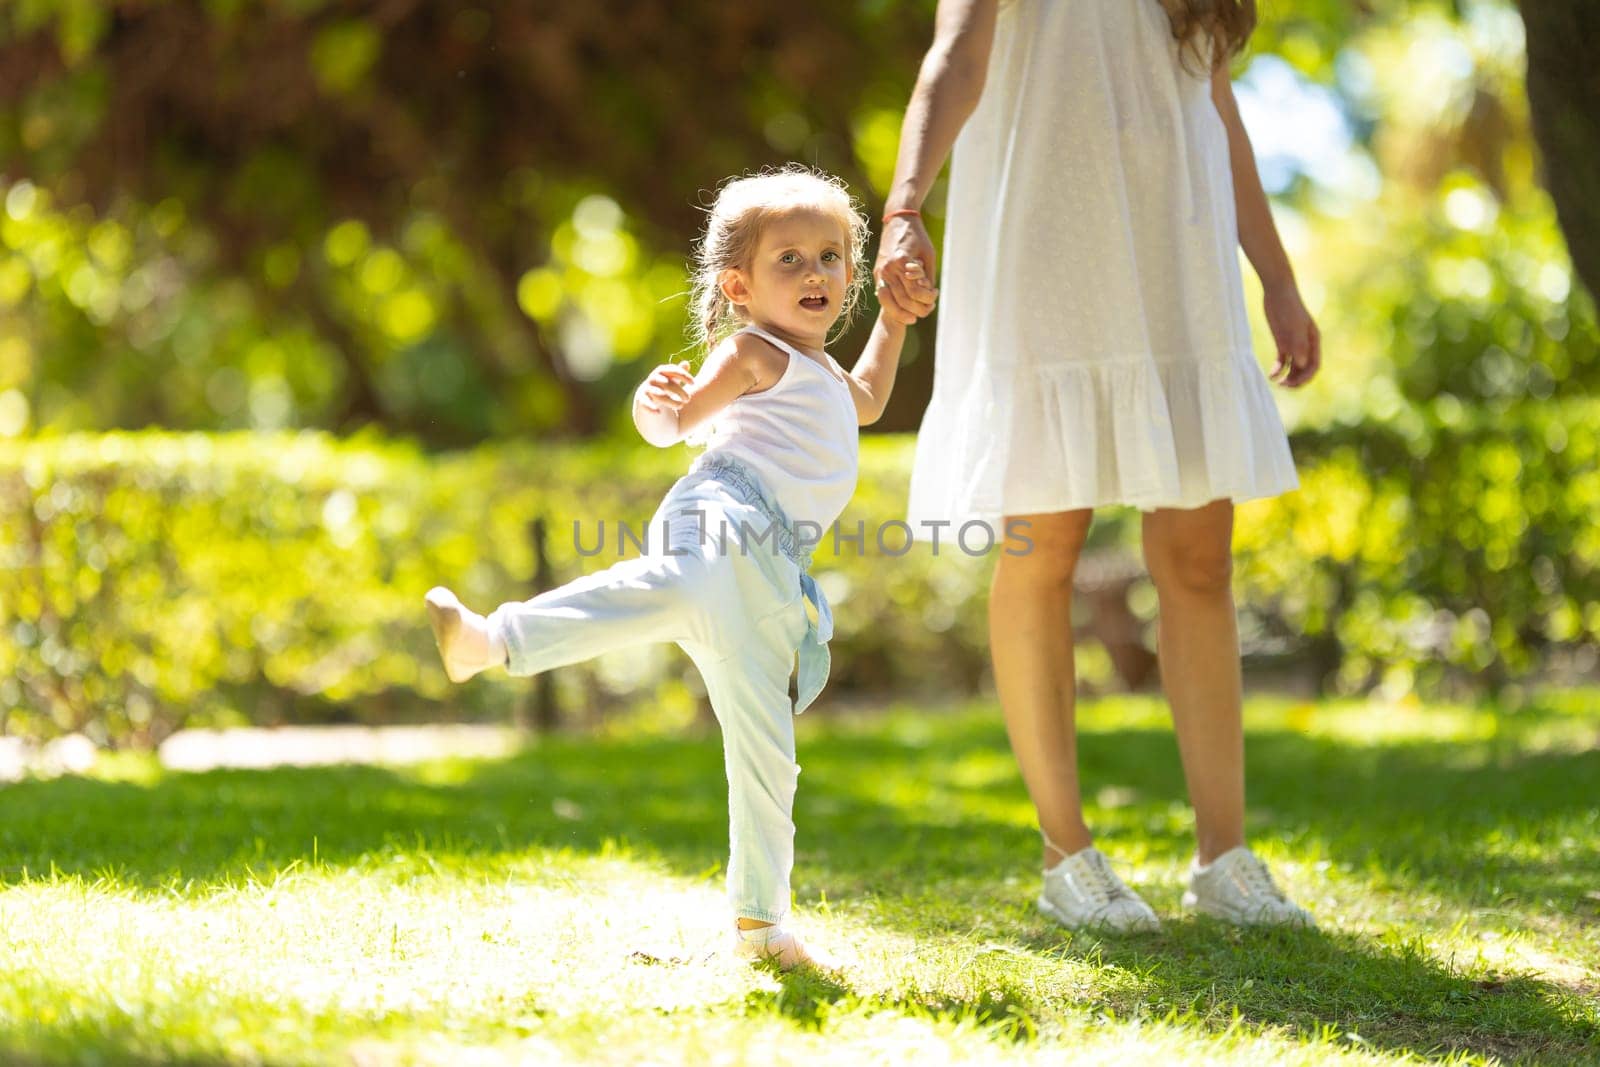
<point x="902" y="211"/>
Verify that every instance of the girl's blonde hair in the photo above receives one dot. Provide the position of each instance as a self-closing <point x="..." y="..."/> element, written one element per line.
<point x="1211" y="31"/>
<point x="741" y="210"/>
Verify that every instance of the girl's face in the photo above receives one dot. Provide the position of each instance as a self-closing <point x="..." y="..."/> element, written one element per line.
<point x="796" y="281"/>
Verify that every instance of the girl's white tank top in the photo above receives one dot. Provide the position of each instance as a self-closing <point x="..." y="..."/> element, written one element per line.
<point x="800" y="436"/>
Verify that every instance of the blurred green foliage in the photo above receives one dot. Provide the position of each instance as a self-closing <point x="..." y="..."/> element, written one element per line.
<point x="155" y="580"/>
<point x="151" y="581"/>
<point x="1430" y="252"/>
<point x="455" y="221"/>
<point x="1452" y="549"/>
<point x="1496" y="317"/>
<point x="473" y="223"/>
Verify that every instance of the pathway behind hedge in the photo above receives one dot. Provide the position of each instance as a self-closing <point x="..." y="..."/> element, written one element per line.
<point x="565" y="903"/>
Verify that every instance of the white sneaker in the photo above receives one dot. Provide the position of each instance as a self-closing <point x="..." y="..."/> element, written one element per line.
<point x="783" y="946"/>
<point x="463" y="637"/>
<point x="1237" y="888"/>
<point x="1082" y="892"/>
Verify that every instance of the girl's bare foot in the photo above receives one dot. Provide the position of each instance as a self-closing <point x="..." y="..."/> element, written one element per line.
<point x="781" y="946"/>
<point x="463" y="637"/>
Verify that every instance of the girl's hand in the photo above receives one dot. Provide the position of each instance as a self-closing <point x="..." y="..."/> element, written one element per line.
<point x="1298" y="339"/>
<point x="667" y="387"/>
<point x="917" y="280"/>
<point x="906" y="270"/>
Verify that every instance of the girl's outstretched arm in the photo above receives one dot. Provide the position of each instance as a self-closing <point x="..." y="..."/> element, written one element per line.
<point x="949" y="85"/>
<point x="671" y="403"/>
<point x="656" y="400"/>
<point x="872" y="378"/>
<point x="1299" y="342"/>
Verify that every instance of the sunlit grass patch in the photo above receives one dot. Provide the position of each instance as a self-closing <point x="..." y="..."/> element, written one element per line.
<point x="566" y="903"/>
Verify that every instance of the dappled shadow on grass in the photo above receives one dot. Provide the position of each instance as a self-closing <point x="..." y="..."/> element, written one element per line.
<point x="1304" y="986"/>
<point x="873" y="812"/>
<point x="222" y="826"/>
<point x="1379" y="992"/>
<point x="1456" y="819"/>
<point x="95" y="1041"/>
<point x="1482" y="826"/>
<point x="810" y="999"/>
<point x="63" y="1051"/>
<point x="803" y="996"/>
<point x="920" y="831"/>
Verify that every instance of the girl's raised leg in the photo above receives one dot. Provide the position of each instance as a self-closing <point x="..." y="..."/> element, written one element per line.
<point x="647" y="600"/>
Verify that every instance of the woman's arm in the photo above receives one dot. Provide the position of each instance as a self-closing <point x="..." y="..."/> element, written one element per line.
<point x="872" y="378"/>
<point x="949" y="85"/>
<point x="1258" y="236"/>
<point x="1298" y="340"/>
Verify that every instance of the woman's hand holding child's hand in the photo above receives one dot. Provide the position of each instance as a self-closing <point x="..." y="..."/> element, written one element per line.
<point x="916" y="282"/>
<point x="667" y="387"/>
<point x="904" y="272"/>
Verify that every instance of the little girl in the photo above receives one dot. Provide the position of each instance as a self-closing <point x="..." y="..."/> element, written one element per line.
<point x="724" y="574"/>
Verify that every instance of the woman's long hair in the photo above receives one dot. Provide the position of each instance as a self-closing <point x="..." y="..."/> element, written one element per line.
<point x="1211" y="31"/>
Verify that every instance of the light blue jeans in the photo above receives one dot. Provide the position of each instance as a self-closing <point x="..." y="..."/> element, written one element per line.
<point x="724" y="577"/>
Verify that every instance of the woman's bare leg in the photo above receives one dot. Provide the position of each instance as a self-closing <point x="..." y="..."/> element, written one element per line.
<point x="1190" y="556"/>
<point x="1030" y="641"/>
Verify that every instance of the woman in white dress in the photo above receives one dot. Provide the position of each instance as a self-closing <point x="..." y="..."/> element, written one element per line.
<point x="1094" y="349"/>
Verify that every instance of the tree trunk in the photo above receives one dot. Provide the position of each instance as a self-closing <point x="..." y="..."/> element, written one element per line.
<point x="1564" y="97"/>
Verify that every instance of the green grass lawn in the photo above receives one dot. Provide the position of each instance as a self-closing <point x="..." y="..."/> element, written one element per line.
<point x="567" y="903"/>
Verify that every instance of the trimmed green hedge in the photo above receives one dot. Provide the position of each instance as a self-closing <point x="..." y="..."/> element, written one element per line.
<point x="1452" y="549"/>
<point x="150" y="581"/>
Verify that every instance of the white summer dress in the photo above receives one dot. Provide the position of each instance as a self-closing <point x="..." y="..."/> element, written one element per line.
<point x="1093" y="345"/>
